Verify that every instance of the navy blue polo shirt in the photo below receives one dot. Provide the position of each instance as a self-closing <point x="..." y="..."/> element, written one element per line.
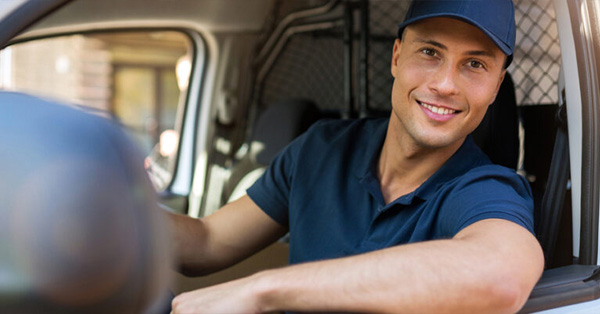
<point x="324" y="187"/>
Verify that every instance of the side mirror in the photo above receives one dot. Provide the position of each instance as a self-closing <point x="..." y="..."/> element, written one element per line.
<point x="80" y="228"/>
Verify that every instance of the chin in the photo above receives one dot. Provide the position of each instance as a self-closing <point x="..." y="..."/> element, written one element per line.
<point x="437" y="142"/>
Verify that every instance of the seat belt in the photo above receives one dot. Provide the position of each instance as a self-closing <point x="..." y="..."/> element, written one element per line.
<point x="556" y="187"/>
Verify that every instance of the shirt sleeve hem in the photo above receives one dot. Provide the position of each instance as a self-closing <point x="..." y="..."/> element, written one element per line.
<point x="264" y="204"/>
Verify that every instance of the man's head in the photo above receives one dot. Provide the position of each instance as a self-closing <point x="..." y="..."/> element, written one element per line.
<point x="448" y="67"/>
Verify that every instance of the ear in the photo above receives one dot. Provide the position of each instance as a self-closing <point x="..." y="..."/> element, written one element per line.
<point x="396" y="56"/>
<point x="500" y="80"/>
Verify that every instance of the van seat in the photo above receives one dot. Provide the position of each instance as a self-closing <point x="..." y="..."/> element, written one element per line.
<point x="277" y="126"/>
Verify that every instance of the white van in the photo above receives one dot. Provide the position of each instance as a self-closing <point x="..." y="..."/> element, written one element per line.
<point x="211" y="90"/>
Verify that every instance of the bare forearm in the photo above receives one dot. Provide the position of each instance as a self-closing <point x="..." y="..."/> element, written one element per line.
<point x="448" y="276"/>
<point x="190" y="244"/>
<point x="233" y="233"/>
<point x="373" y="283"/>
<point x="490" y="267"/>
<point x="202" y="251"/>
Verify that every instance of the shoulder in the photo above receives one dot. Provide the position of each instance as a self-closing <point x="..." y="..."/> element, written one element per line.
<point x="471" y="166"/>
<point x="349" y="144"/>
<point x="488" y="183"/>
<point x="495" y="175"/>
<point x="485" y="183"/>
<point x="487" y="191"/>
<point x="335" y="129"/>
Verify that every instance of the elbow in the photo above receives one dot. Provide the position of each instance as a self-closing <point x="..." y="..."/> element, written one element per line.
<point x="201" y="268"/>
<point x="194" y="270"/>
<point x="189" y="272"/>
<point x="512" y="287"/>
<point x="508" y="294"/>
<point x="508" y="297"/>
<point x="506" y="291"/>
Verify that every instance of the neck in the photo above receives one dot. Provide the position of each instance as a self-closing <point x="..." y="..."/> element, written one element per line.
<point x="404" y="165"/>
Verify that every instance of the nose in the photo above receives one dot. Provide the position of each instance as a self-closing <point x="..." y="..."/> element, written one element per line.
<point x="443" y="80"/>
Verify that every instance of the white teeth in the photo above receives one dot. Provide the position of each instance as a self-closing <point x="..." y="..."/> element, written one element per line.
<point x="438" y="110"/>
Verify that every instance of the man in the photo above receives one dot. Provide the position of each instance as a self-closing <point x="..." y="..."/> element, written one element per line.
<point x="402" y="215"/>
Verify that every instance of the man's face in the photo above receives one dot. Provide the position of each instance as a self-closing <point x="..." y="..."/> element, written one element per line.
<point x="446" y="73"/>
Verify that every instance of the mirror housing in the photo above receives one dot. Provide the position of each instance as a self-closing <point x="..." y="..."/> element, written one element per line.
<point x="81" y="230"/>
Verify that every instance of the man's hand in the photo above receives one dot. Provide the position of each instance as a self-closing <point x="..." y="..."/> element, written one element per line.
<point x="232" y="297"/>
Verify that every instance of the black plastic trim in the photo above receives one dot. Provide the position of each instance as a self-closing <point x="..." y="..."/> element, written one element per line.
<point x="554" y="195"/>
<point x="564" y="286"/>
<point x="26" y="15"/>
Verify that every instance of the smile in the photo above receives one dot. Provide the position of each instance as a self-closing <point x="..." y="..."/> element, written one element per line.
<point x="438" y="110"/>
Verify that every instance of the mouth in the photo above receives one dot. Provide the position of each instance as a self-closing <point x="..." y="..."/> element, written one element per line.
<point x="438" y="110"/>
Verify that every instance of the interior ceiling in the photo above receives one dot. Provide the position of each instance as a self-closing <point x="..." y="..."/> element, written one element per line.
<point x="212" y="15"/>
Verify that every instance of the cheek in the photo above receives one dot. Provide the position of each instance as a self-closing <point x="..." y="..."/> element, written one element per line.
<point x="480" y="95"/>
<point x="412" y="70"/>
<point x="407" y="77"/>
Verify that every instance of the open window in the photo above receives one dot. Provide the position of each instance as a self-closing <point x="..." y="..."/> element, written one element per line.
<point x="139" y="78"/>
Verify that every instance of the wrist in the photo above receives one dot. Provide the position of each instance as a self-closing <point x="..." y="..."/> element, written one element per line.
<point x="264" y="291"/>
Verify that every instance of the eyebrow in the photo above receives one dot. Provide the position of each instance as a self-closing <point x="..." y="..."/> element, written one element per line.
<point x="483" y="53"/>
<point x="431" y="42"/>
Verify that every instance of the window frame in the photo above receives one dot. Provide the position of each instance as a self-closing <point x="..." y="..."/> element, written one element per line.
<point x="577" y="287"/>
<point x="179" y="188"/>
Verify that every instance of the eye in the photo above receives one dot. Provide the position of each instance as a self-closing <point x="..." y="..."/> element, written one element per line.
<point x="428" y="51"/>
<point x="476" y="64"/>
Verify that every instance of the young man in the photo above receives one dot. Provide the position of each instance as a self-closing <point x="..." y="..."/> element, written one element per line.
<point x="398" y="215"/>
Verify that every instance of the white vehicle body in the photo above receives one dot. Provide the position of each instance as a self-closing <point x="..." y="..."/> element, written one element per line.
<point x="238" y="45"/>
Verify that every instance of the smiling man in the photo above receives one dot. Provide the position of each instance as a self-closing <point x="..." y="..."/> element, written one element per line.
<point x="393" y="215"/>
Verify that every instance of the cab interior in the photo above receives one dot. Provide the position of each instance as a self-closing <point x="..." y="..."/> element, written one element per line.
<point x="262" y="71"/>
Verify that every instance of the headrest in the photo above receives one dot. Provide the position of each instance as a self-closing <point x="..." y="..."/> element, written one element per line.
<point x="279" y="124"/>
<point x="498" y="133"/>
<point x="80" y="230"/>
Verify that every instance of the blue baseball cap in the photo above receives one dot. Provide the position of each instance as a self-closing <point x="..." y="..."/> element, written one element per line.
<point x="496" y="18"/>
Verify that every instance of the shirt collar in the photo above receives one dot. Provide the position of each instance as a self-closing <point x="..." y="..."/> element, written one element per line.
<point x="463" y="159"/>
<point x="466" y="157"/>
<point x="372" y="142"/>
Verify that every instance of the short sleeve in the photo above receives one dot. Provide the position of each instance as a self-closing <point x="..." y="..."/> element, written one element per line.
<point x="272" y="190"/>
<point x="484" y="193"/>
